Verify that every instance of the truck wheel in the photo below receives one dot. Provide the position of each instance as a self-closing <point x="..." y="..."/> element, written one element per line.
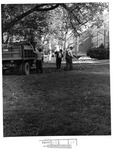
<point x="26" y="68"/>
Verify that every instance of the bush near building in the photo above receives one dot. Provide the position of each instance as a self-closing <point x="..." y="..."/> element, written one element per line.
<point x="98" y="52"/>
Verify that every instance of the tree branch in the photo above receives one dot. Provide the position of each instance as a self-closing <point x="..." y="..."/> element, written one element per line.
<point x="47" y="9"/>
<point x="36" y="8"/>
<point x="74" y="28"/>
<point x="71" y="12"/>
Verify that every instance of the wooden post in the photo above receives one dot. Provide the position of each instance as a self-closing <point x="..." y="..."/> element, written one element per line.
<point x="50" y="54"/>
<point x="97" y="38"/>
<point x="104" y="37"/>
<point x="77" y="43"/>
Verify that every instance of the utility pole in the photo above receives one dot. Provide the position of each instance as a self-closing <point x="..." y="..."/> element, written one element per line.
<point x="104" y="37"/>
<point x="77" y="43"/>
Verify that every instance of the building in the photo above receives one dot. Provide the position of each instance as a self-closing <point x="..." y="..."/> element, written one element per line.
<point x="100" y="36"/>
<point x="84" y="43"/>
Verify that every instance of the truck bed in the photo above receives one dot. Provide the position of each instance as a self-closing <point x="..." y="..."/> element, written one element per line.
<point x="14" y="52"/>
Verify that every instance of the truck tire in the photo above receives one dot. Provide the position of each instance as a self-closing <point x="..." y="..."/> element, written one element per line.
<point x="26" y="68"/>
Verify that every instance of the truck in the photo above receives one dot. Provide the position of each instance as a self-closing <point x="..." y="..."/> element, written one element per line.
<point x="18" y="56"/>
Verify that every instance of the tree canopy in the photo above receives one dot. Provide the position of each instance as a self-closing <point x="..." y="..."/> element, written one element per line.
<point x="79" y="12"/>
<point x="49" y="18"/>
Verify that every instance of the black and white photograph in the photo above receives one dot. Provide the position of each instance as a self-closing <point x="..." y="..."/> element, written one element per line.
<point x="55" y="64"/>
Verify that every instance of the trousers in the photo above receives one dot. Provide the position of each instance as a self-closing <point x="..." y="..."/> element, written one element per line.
<point x="58" y="63"/>
<point x="69" y="64"/>
<point x="39" y="66"/>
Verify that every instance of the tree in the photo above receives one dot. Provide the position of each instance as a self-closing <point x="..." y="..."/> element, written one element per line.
<point x="77" y="14"/>
<point x="75" y="17"/>
<point x="33" y="24"/>
<point x="80" y="12"/>
<point x="9" y="19"/>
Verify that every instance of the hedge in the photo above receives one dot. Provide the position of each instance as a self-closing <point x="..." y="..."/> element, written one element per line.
<point x="98" y="53"/>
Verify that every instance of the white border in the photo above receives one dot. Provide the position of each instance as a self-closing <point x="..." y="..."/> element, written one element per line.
<point x="32" y="143"/>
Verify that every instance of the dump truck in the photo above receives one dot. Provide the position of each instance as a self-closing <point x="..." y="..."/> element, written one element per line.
<point x="18" y="56"/>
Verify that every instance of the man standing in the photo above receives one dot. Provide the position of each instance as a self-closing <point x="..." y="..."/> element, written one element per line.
<point x="59" y="56"/>
<point x="69" y="57"/>
<point x="39" y="60"/>
<point x="56" y="54"/>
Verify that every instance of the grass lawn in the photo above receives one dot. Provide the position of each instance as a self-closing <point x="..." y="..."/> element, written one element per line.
<point x="58" y="102"/>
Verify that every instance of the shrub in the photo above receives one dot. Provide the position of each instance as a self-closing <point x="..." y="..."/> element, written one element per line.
<point x="99" y="53"/>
